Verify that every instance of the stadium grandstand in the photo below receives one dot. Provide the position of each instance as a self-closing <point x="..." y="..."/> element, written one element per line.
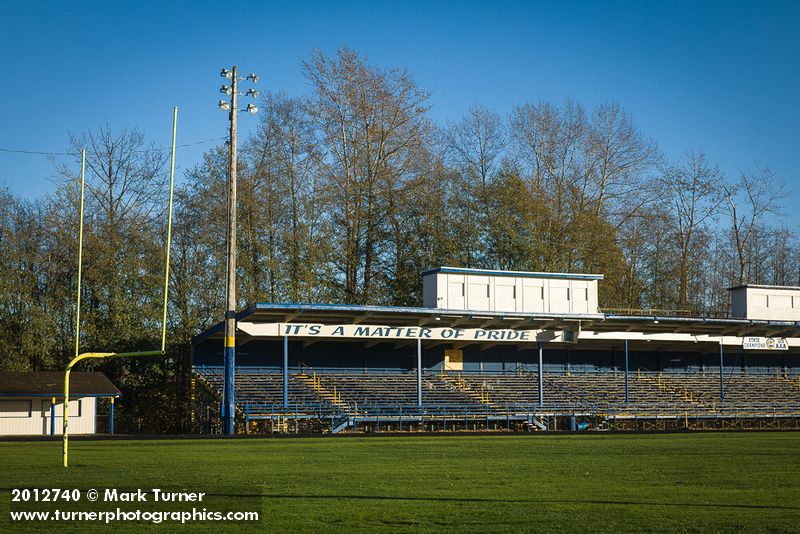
<point x="506" y="350"/>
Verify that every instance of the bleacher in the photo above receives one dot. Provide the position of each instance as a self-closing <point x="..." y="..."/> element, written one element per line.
<point x="608" y="389"/>
<point x="740" y="391"/>
<point x="260" y="390"/>
<point x="394" y="389"/>
<point x="515" y="389"/>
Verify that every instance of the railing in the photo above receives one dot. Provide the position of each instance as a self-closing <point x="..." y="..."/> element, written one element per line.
<point x="722" y="410"/>
<point x="710" y="370"/>
<point x="719" y="411"/>
<point x="580" y="402"/>
<point x="665" y="312"/>
<point x="661" y="312"/>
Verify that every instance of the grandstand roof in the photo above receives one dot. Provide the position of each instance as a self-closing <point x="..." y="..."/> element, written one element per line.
<point x="601" y="322"/>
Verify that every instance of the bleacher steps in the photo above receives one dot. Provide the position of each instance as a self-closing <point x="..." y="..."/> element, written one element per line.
<point x="678" y="392"/>
<point x="461" y="385"/>
<point x="313" y="383"/>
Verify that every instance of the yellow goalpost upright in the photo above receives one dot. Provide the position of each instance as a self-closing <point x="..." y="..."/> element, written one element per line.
<point x="103" y="355"/>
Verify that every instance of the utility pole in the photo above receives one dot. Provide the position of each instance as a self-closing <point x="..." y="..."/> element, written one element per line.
<point x="228" y="392"/>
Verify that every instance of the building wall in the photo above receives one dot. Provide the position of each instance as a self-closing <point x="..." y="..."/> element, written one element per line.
<point x="21" y="416"/>
<point x="523" y="292"/>
<point x="766" y="303"/>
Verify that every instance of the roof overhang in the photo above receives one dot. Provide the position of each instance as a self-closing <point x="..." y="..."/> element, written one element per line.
<point x="516" y="274"/>
<point x="51" y="384"/>
<point x="445" y="318"/>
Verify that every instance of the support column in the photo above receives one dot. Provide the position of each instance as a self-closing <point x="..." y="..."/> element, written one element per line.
<point x="285" y="371"/>
<point x="53" y="416"/>
<point x="541" y="377"/>
<point x="228" y="392"/>
<point x="111" y="417"/>
<point x="419" y="372"/>
<point x="626" y="371"/>
<point x="721" y="373"/>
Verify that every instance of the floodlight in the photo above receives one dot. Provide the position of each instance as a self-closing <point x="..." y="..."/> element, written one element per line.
<point x="251" y="92"/>
<point x="226" y="73"/>
<point x="226" y="89"/>
<point x="224" y="105"/>
<point x="253" y="77"/>
<point x="251" y="109"/>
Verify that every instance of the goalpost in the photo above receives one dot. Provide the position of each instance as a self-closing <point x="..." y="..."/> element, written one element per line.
<point x="102" y="355"/>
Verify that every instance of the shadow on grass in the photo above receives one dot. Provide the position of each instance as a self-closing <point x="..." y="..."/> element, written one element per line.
<point x="529" y="501"/>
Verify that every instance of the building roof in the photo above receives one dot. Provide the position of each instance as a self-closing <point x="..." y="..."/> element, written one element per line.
<point x="404" y="316"/>
<point x="762" y="286"/>
<point x="51" y="384"/>
<point x="518" y="274"/>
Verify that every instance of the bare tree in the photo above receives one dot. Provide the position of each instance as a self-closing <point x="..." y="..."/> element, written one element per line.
<point x="474" y="146"/>
<point x="693" y="190"/>
<point x="476" y="143"/>
<point x="371" y="123"/>
<point x="125" y="174"/>
<point x="618" y="160"/>
<point x="126" y="180"/>
<point x="754" y="196"/>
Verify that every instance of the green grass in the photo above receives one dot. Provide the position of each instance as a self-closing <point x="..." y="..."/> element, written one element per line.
<point x="745" y="482"/>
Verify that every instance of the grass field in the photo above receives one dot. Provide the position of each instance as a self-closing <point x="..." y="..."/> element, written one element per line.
<point x="745" y="482"/>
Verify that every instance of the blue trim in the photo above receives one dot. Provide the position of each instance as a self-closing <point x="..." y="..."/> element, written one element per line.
<point x="627" y="390"/>
<point x="540" y="372"/>
<point x="721" y="373"/>
<point x="518" y="274"/>
<point x="228" y="393"/>
<point x="419" y="372"/>
<point x="285" y="371"/>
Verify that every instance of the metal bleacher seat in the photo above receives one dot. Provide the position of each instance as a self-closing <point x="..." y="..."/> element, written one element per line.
<point x="476" y="391"/>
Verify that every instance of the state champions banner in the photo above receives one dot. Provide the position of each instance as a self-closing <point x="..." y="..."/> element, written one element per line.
<point x="376" y="332"/>
<point x="764" y="343"/>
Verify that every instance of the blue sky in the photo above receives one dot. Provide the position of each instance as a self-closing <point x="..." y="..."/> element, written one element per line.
<point x="718" y="76"/>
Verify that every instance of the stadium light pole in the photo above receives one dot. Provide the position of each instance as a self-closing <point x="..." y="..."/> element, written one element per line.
<point x="228" y="394"/>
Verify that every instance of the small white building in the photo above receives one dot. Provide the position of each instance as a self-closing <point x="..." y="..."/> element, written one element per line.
<point x="767" y="303"/>
<point x="30" y="402"/>
<point x="510" y="291"/>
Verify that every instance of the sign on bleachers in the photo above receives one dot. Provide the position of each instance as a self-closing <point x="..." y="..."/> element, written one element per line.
<point x="765" y="343"/>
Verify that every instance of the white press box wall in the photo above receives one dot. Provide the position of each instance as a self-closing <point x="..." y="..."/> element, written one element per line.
<point x="767" y="303"/>
<point x="27" y="416"/>
<point x="512" y="291"/>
